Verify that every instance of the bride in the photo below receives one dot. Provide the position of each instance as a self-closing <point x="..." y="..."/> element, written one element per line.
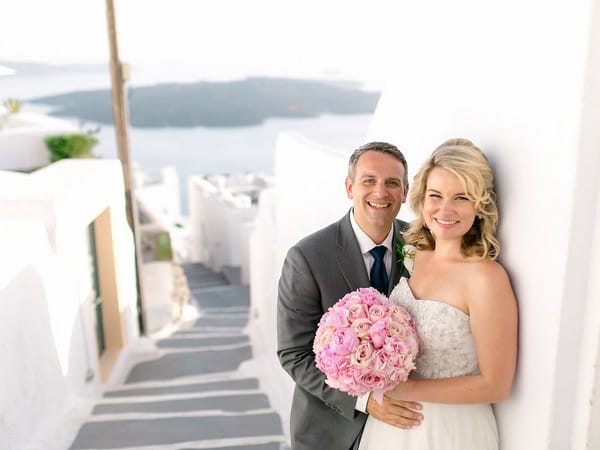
<point x="463" y="306"/>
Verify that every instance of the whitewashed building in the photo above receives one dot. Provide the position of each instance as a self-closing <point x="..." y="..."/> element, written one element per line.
<point x="22" y="139"/>
<point x="521" y="81"/>
<point x="221" y="211"/>
<point x="67" y="289"/>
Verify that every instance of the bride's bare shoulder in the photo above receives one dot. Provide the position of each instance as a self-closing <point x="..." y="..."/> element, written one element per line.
<point x="487" y="273"/>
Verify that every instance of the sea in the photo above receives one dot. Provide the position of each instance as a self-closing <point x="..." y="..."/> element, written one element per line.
<point x="192" y="151"/>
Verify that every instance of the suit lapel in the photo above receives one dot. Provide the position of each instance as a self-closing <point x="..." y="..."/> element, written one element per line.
<point x="349" y="258"/>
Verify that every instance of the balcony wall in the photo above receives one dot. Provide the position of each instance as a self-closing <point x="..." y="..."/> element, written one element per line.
<point x="219" y="217"/>
<point x="22" y="136"/>
<point x="50" y="360"/>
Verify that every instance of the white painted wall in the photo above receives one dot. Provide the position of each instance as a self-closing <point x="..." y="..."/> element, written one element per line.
<point x="159" y="199"/>
<point x="22" y="136"/>
<point x="310" y="188"/>
<point x="47" y="335"/>
<point x="30" y="362"/>
<point x="521" y="81"/>
<point x="309" y="195"/>
<point x="218" y="224"/>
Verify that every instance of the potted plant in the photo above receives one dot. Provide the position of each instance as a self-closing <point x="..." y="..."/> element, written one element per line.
<point x="12" y="105"/>
<point x="76" y="145"/>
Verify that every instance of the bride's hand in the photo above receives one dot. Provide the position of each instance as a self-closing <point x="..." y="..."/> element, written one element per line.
<point x="398" y="413"/>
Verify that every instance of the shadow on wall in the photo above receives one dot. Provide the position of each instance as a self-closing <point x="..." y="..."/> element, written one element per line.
<point x="34" y="389"/>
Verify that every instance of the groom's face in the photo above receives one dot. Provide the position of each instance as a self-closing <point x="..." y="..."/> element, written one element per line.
<point x="377" y="192"/>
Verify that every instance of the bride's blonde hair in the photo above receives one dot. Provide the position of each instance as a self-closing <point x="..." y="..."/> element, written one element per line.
<point x="470" y="165"/>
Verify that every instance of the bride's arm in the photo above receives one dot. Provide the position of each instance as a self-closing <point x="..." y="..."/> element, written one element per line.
<point x="493" y="315"/>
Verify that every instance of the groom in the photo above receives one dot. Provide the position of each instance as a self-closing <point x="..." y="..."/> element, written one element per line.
<point x="321" y="269"/>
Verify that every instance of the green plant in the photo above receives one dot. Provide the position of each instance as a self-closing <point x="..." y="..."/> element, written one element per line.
<point x="74" y="145"/>
<point x="12" y="105"/>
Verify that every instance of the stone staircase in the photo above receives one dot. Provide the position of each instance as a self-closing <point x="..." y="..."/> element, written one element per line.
<point x="194" y="395"/>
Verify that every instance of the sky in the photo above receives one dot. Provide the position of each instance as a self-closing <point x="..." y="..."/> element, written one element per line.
<point x="220" y="39"/>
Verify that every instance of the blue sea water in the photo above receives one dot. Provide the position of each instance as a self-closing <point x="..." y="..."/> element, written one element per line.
<point x="197" y="150"/>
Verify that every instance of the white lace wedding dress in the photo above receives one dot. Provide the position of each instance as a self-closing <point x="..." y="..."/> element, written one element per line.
<point x="446" y="349"/>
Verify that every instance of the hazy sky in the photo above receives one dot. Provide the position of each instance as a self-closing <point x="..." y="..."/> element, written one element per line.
<point x="223" y="38"/>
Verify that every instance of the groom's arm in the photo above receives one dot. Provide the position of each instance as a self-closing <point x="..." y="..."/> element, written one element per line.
<point x="299" y="310"/>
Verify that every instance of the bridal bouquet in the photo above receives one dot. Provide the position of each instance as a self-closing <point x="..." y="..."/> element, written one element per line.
<point x="365" y="343"/>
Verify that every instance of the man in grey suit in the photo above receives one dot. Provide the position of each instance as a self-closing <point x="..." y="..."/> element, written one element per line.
<point x="321" y="269"/>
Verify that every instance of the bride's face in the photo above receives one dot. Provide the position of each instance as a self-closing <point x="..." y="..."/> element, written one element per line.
<point x="447" y="209"/>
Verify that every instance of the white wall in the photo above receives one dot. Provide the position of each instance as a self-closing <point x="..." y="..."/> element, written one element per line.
<point x="22" y="136"/>
<point x="218" y="224"/>
<point x="309" y="195"/>
<point x="47" y="331"/>
<point x="521" y="81"/>
<point x="310" y="188"/>
<point x="30" y="362"/>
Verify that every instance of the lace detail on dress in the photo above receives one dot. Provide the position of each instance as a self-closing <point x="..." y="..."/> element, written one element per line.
<point x="446" y="346"/>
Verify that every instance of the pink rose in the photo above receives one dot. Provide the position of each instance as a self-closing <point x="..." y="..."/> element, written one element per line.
<point x="378" y="332"/>
<point x="409" y="364"/>
<point x="397" y="329"/>
<point x="362" y="355"/>
<point x="357" y="311"/>
<point x="344" y="341"/>
<point x="373" y="381"/>
<point x="376" y="312"/>
<point x="397" y="376"/>
<point x="399" y="314"/>
<point x="322" y="338"/>
<point x="413" y="342"/>
<point x="362" y="327"/>
<point x="379" y="362"/>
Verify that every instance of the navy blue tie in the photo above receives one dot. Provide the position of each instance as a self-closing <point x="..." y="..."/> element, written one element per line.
<point x="379" y="277"/>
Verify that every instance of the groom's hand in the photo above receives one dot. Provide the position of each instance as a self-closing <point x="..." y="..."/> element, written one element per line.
<point x="398" y="413"/>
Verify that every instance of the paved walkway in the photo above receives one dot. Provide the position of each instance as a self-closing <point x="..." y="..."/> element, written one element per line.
<point x="193" y="396"/>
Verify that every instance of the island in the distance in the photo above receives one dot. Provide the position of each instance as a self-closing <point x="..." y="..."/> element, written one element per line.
<point x="217" y="104"/>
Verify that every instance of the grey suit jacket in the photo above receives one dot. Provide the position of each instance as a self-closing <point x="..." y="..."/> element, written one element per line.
<point x="317" y="272"/>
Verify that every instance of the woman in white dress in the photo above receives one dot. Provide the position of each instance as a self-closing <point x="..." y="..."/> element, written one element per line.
<point x="463" y="306"/>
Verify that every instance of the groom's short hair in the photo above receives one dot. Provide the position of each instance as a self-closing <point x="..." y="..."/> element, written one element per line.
<point x="382" y="147"/>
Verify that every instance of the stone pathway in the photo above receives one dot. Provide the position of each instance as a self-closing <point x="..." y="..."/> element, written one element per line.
<point x="193" y="396"/>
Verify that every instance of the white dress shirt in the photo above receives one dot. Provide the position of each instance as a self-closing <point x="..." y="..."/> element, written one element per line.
<point x="366" y="244"/>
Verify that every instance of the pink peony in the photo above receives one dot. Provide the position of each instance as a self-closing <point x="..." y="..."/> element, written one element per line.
<point x="378" y="332"/>
<point x="394" y="346"/>
<point x="370" y="296"/>
<point x="344" y="341"/>
<point x="336" y="318"/>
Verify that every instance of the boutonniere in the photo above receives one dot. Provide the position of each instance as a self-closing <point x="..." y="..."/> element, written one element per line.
<point x="406" y="256"/>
